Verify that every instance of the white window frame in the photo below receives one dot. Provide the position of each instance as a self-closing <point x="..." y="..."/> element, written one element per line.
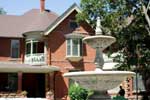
<point x="31" y="46"/>
<point x="12" y="43"/>
<point x="71" y="49"/>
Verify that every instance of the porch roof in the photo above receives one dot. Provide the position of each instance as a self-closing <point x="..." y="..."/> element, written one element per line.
<point x="25" y="68"/>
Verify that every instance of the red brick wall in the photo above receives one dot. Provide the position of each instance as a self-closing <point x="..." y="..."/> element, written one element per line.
<point x="57" y="54"/>
<point x="5" y="49"/>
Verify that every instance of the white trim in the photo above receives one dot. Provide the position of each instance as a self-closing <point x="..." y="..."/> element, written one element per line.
<point x="65" y="16"/>
<point x="25" y="68"/>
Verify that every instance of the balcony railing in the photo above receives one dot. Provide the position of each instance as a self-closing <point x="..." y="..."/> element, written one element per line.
<point x="35" y="59"/>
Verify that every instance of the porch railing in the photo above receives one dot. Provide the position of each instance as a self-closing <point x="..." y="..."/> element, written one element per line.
<point x="35" y="59"/>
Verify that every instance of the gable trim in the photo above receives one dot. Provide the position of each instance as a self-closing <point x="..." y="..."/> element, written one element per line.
<point x="74" y="7"/>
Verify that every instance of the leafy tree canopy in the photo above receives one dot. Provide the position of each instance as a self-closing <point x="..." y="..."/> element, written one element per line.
<point x="2" y="11"/>
<point x="128" y="21"/>
<point x="125" y="20"/>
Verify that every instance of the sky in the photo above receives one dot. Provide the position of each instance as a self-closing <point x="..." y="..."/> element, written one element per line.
<point x="19" y="7"/>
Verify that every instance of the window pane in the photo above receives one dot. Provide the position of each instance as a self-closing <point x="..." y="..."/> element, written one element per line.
<point x="81" y="50"/>
<point x="12" y="82"/>
<point x="9" y="82"/>
<point x="28" y="48"/>
<point x="75" y="47"/>
<point x="14" y="48"/>
<point x="68" y="47"/>
<point x="40" y="47"/>
<point x="35" y="47"/>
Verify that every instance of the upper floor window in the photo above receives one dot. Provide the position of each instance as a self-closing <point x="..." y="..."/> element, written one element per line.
<point x="74" y="47"/>
<point x="15" y="44"/>
<point x="33" y="47"/>
<point x="73" y="24"/>
<point x="35" y="52"/>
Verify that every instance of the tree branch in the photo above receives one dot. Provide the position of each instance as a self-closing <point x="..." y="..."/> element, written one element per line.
<point x="145" y="10"/>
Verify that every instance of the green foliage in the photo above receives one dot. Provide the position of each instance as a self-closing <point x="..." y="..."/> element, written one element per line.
<point x="76" y="92"/>
<point x="112" y="12"/>
<point x="125" y="20"/>
<point x="119" y="98"/>
<point x="2" y="11"/>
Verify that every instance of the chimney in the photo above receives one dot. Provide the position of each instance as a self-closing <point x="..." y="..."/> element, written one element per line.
<point x="42" y="5"/>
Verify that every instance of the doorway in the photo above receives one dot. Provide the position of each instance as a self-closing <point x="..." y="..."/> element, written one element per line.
<point x="34" y="84"/>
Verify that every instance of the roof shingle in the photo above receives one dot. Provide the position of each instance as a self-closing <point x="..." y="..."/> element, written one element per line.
<point x="33" y="20"/>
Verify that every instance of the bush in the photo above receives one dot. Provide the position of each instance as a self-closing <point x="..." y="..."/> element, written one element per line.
<point x="119" y="98"/>
<point x="76" y="92"/>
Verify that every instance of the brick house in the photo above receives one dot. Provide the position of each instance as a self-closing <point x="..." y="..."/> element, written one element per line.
<point x="38" y="47"/>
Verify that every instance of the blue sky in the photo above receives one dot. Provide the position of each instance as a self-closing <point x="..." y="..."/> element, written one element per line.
<point x="18" y="7"/>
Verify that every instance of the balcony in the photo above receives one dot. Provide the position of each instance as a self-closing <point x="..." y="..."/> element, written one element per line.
<point x="35" y="52"/>
<point x="35" y="59"/>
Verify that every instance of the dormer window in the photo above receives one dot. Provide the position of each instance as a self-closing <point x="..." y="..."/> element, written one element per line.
<point x="74" y="47"/>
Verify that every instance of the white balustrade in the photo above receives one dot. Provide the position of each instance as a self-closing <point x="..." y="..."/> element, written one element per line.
<point x="35" y="59"/>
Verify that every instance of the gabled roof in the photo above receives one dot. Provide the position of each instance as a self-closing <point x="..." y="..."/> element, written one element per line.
<point x="33" y="20"/>
<point x="52" y="26"/>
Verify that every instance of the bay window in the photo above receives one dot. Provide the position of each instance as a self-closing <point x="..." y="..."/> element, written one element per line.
<point x="35" y="54"/>
<point x="74" y="48"/>
<point x="33" y="47"/>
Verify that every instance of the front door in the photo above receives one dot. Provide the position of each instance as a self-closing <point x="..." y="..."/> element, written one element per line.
<point x="34" y="84"/>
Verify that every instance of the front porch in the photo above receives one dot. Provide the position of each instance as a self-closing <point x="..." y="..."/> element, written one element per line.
<point x="19" y="77"/>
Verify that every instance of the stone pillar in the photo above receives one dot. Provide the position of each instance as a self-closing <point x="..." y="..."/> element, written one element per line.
<point x="19" y="82"/>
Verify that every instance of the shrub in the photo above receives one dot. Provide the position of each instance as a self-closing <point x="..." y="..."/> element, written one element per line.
<point x="77" y="92"/>
<point x="119" y="98"/>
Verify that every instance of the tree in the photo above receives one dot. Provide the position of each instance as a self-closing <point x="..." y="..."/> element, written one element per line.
<point x="146" y="8"/>
<point x="2" y="11"/>
<point x="128" y="21"/>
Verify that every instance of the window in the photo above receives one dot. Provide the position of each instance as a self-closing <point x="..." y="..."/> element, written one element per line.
<point x="15" y="48"/>
<point x="74" y="47"/>
<point x="9" y="82"/>
<point x="34" y="47"/>
<point x="28" y="48"/>
<point x="38" y="47"/>
<point x="73" y="24"/>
